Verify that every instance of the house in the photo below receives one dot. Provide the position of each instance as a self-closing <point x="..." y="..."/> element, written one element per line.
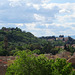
<point x="65" y="39"/>
<point x="61" y="37"/>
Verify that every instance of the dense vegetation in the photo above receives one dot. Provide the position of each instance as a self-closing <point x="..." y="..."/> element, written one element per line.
<point x="25" y="44"/>
<point x="28" y="64"/>
<point x="14" y="39"/>
<point x="59" y="42"/>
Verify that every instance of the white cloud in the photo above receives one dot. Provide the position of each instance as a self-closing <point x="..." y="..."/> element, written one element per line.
<point x="49" y="32"/>
<point x="39" y="17"/>
<point x="48" y="6"/>
<point x="29" y="4"/>
<point x="36" y="6"/>
<point x="66" y="18"/>
<point x="45" y="1"/>
<point x="30" y="26"/>
<point x="64" y="11"/>
<point x="67" y="33"/>
<point x="38" y="31"/>
<point x="65" y="25"/>
<point x="20" y="24"/>
<point x="14" y="3"/>
<point x="14" y="0"/>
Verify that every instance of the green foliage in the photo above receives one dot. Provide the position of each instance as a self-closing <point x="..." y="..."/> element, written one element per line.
<point x="34" y="46"/>
<point x="36" y="51"/>
<point x="58" y="43"/>
<point x="17" y="35"/>
<point x="28" y="64"/>
<point x="73" y="73"/>
<point x="47" y="48"/>
<point x="20" y="47"/>
<point x="3" y="52"/>
<point x="18" y="39"/>
<point x="54" y="50"/>
<point x="22" y="40"/>
<point x="69" y="48"/>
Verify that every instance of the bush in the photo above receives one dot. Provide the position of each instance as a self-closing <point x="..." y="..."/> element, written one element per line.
<point x="28" y="64"/>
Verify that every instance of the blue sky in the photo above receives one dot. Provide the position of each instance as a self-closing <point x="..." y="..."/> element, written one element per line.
<point x="40" y="17"/>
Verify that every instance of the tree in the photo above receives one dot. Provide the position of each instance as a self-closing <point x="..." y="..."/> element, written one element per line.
<point x="3" y="52"/>
<point x="5" y="43"/>
<point x="47" y="47"/>
<point x="28" y="64"/>
<point x="37" y="51"/>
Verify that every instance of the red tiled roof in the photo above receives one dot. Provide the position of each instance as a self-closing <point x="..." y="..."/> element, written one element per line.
<point x="0" y="60"/>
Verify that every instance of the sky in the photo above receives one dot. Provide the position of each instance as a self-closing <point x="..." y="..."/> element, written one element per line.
<point x="40" y="17"/>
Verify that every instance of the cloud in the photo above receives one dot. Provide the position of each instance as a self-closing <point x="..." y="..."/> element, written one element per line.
<point x="64" y="11"/>
<point x="20" y="24"/>
<point x="46" y="1"/>
<point x="17" y="11"/>
<point x="36" y="6"/>
<point x="39" y="29"/>
<point x="30" y="26"/>
<point x="41" y="17"/>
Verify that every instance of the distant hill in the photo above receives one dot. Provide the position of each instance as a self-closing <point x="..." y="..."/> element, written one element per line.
<point x="64" y="40"/>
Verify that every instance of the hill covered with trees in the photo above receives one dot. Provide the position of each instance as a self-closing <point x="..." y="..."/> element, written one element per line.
<point x="14" y="39"/>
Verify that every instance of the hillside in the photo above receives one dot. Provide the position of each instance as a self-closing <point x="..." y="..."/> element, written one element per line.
<point x="14" y="39"/>
<point x="17" y="35"/>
